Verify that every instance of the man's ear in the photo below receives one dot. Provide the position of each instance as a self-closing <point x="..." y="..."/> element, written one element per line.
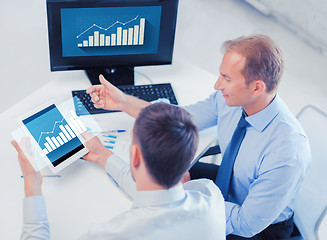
<point x="258" y="87"/>
<point x="135" y="156"/>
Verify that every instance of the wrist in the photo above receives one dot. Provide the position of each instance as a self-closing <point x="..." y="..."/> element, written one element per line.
<point x="125" y="102"/>
<point x="104" y="157"/>
<point x="32" y="185"/>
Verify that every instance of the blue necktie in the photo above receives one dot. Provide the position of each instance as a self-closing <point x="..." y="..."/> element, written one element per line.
<point x="227" y="163"/>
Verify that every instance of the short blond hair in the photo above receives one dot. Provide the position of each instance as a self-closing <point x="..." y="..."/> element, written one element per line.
<point x="264" y="60"/>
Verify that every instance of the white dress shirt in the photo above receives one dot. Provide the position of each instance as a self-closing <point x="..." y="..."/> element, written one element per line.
<point x="194" y="210"/>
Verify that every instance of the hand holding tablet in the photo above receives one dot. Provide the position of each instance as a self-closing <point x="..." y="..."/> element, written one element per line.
<point x="55" y="136"/>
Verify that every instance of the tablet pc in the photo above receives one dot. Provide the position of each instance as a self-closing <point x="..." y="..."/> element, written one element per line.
<point x="59" y="138"/>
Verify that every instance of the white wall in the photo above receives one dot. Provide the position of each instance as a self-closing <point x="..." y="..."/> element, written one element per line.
<point x="306" y="18"/>
<point x="204" y="25"/>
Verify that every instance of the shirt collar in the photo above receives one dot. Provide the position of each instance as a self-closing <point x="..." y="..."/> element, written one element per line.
<point x="158" y="197"/>
<point x="262" y="119"/>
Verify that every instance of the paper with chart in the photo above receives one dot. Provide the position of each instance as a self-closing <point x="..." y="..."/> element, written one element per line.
<point x="118" y="141"/>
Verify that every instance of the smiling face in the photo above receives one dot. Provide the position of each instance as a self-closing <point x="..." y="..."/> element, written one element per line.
<point x="232" y="83"/>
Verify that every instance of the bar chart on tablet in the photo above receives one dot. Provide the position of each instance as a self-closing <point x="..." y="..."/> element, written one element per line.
<point x="62" y="132"/>
<point x="55" y="135"/>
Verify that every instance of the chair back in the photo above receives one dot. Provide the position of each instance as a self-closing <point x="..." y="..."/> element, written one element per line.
<point x="311" y="200"/>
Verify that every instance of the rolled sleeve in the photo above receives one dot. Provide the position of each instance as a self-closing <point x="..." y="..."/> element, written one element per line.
<point x="266" y="200"/>
<point x="205" y="112"/>
<point x="34" y="209"/>
<point x="36" y="225"/>
<point x="119" y="170"/>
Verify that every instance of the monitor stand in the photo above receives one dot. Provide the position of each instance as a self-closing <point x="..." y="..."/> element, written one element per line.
<point x="116" y="75"/>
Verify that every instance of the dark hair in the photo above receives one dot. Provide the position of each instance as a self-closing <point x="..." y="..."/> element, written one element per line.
<point x="168" y="139"/>
<point x="264" y="60"/>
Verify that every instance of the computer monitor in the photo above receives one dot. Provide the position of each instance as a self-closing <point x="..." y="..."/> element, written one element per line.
<point x="110" y="37"/>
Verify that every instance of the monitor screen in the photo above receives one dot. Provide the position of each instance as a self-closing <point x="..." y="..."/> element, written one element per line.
<point x="110" y="34"/>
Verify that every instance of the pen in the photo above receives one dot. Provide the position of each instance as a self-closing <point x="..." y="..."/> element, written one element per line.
<point x="120" y="189"/>
<point x="46" y="176"/>
<point x="119" y="131"/>
<point x="112" y="179"/>
<point x="110" y="131"/>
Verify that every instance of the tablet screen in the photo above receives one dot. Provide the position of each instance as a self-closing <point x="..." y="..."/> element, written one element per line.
<point x="57" y="137"/>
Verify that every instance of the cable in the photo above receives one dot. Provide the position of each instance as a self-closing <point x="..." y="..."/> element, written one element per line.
<point x="145" y="76"/>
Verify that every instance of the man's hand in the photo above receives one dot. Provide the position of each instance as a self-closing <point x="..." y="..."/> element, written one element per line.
<point x="107" y="96"/>
<point x="97" y="152"/>
<point x="32" y="179"/>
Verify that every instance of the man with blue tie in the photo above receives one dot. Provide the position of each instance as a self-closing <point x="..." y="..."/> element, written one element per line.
<point x="266" y="153"/>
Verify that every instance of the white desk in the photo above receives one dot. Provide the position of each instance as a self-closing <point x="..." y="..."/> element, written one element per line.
<point x="84" y="194"/>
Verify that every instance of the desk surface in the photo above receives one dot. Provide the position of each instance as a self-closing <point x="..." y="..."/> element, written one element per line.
<point x="73" y="202"/>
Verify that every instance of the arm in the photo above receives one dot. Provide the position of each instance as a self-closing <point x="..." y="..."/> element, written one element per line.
<point x="109" y="97"/>
<point x="115" y="167"/>
<point x="276" y="182"/>
<point x="267" y="198"/>
<point x="205" y="113"/>
<point x="35" y="220"/>
<point x="119" y="170"/>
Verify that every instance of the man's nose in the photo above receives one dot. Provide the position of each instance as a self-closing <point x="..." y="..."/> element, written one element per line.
<point x="218" y="85"/>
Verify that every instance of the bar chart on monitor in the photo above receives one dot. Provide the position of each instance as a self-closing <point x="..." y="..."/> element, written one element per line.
<point x="110" y="31"/>
<point x="119" y="33"/>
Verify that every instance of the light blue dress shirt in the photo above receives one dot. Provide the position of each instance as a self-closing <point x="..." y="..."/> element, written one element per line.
<point x="194" y="210"/>
<point x="269" y="168"/>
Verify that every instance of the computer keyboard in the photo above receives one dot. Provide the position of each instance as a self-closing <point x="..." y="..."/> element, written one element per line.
<point x="84" y="105"/>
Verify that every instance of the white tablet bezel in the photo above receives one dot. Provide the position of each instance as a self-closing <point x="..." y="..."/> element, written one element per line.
<point x="71" y="158"/>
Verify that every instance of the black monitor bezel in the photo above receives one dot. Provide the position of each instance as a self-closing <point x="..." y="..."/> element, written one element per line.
<point x="165" y="46"/>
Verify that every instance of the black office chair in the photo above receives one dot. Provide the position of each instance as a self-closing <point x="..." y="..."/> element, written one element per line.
<point x="214" y="150"/>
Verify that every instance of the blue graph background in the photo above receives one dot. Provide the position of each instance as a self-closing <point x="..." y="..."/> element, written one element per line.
<point x="46" y="121"/>
<point x="75" y="21"/>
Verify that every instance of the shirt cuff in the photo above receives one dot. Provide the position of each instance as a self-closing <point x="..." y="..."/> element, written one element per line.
<point x="34" y="209"/>
<point x="164" y="100"/>
<point x="229" y="208"/>
<point x="119" y="171"/>
<point x="114" y="166"/>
